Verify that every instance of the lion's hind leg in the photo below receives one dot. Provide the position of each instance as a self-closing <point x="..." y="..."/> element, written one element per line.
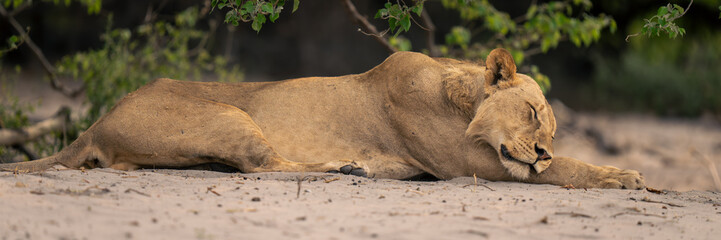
<point x="217" y="132"/>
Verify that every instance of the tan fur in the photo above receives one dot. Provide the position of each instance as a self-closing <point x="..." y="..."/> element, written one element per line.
<point x="409" y="115"/>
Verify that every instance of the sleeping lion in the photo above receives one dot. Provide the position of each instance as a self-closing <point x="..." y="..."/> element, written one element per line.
<point x="410" y="115"/>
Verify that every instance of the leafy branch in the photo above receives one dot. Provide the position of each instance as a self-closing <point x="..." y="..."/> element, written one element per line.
<point x="256" y="11"/>
<point x="399" y="15"/>
<point x="13" y="42"/>
<point x="542" y="28"/>
<point x="663" y="22"/>
<point x="55" y="83"/>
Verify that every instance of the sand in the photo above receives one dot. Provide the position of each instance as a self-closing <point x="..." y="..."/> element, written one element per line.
<point x="193" y="204"/>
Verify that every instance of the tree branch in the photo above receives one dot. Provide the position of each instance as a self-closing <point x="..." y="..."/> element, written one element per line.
<point x="684" y="11"/>
<point x="10" y="137"/>
<point x="430" y="34"/>
<point x="363" y="21"/>
<point x="54" y="82"/>
<point x="669" y="21"/>
<point x="532" y="51"/>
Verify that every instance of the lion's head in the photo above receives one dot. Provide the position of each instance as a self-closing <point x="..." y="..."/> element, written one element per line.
<point x="513" y="117"/>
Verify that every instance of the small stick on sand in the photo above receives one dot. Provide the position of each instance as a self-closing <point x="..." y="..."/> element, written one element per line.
<point x="331" y="180"/>
<point x="210" y="189"/>
<point x="574" y="214"/>
<point x="646" y="199"/>
<point x="136" y="191"/>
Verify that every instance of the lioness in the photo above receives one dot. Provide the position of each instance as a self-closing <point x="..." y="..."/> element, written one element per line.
<point x="410" y="115"/>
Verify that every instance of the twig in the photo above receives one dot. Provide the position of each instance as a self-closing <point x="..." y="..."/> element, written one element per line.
<point x="54" y="82"/>
<point x="574" y="214"/>
<point x="331" y="180"/>
<point x="653" y="190"/>
<point x="136" y="191"/>
<point x="211" y="189"/>
<point x="151" y="14"/>
<point x="710" y="166"/>
<point x="480" y="184"/>
<point x="637" y="213"/>
<point x="532" y="51"/>
<point x="430" y="34"/>
<point x="301" y="178"/>
<point x="475" y="182"/>
<point x="415" y="191"/>
<point x="522" y="18"/>
<point x="363" y="21"/>
<point x="632" y="35"/>
<point x="203" y="41"/>
<point x="646" y="199"/>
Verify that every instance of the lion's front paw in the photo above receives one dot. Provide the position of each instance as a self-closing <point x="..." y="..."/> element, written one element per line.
<point x="611" y="177"/>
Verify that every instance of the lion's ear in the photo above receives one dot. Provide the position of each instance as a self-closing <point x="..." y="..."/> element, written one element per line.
<point x="500" y="70"/>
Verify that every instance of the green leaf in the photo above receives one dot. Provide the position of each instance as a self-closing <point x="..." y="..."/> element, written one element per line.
<point x="395" y="10"/>
<point x="518" y="56"/>
<point x="232" y="17"/>
<point x="13" y="39"/>
<point x="418" y="9"/>
<point x="274" y="16"/>
<point x="392" y="23"/>
<point x="295" y="5"/>
<point x="531" y="11"/>
<point x="662" y="10"/>
<point x="267" y="7"/>
<point x="400" y="43"/>
<point x="381" y="13"/>
<point x="247" y="8"/>
<point x="677" y="7"/>
<point x="612" y="26"/>
<point x="576" y="40"/>
<point x="406" y="22"/>
<point x="258" y="22"/>
<point x="459" y="36"/>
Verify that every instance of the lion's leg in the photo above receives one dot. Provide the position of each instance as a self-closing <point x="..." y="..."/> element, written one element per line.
<point x="564" y="171"/>
<point x="239" y="142"/>
<point x="182" y="131"/>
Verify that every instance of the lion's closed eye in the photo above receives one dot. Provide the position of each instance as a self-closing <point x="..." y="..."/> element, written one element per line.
<point x="534" y="113"/>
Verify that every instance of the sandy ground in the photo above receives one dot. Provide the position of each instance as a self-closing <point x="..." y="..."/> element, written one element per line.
<point x="192" y="204"/>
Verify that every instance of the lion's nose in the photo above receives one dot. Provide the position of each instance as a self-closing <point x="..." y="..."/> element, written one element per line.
<point x="542" y="154"/>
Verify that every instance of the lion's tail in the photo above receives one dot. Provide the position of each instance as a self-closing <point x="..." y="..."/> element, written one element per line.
<point x="72" y="156"/>
<point x="30" y="166"/>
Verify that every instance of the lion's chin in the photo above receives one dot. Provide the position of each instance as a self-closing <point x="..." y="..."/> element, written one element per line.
<point x="517" y="169"/>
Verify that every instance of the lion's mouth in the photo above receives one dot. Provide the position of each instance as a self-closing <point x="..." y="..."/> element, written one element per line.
<point x="507" y="155"/>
